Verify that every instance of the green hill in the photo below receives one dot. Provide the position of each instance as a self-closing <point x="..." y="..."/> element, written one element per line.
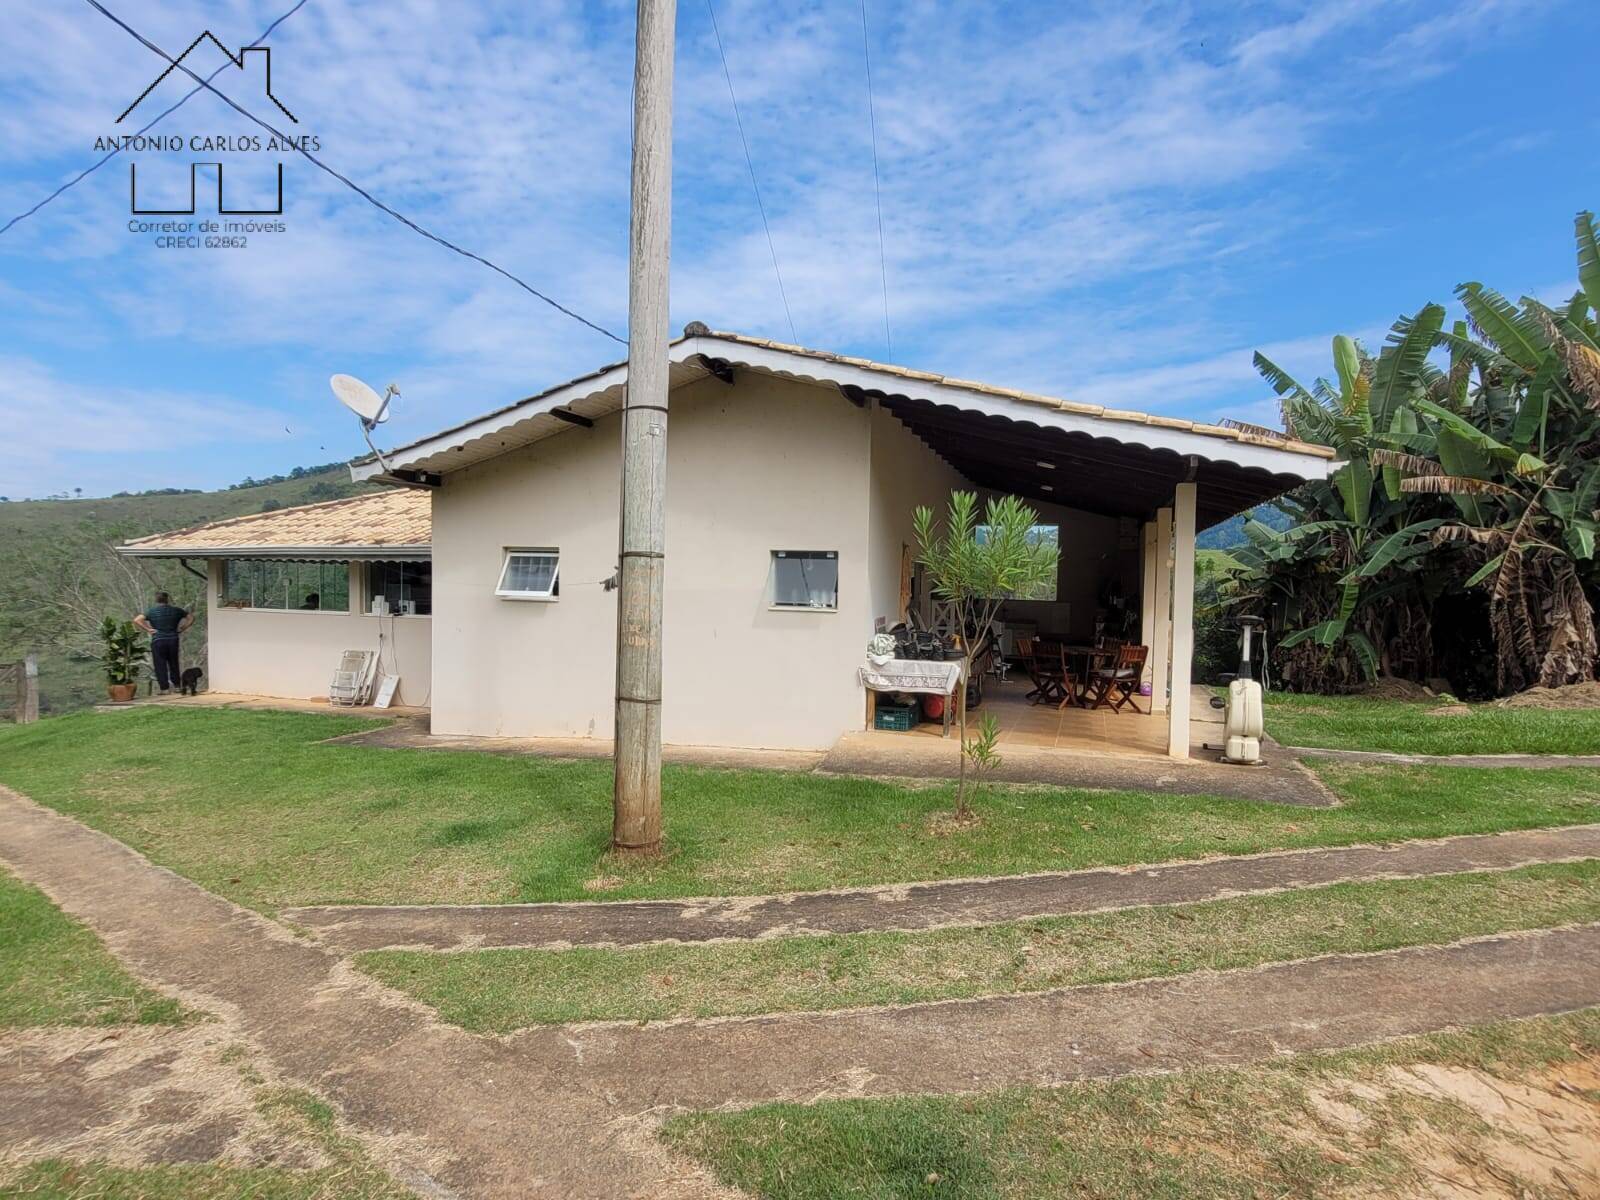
<point x="61" y="577"/>
<point x="1230" y="533"/>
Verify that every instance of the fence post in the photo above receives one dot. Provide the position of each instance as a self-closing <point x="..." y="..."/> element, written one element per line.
<point x="28" y="691"/>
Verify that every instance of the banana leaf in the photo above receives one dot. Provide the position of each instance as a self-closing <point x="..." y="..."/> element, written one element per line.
<point x="1402" y="424"/>
<point x="1282" y="382"/>
<point x="1348" y="363"/>
<point x="1398" y="545"/>
<point x="1483" y="572"/>
<point x="1580" y="539"/>
<point x="1400" y="364"/>
<point x="1588" y="259"/>
<point x="1354" y="481"/>
<point x="1365" y="654"/>
<point x="1517" y="334"/>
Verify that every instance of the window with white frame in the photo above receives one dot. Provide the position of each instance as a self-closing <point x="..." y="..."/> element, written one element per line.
<point x="805" y="579"/>
<point x="530" y="575"/>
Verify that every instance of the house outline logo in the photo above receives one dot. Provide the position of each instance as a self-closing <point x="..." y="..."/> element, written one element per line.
<point x="235" y="60"/>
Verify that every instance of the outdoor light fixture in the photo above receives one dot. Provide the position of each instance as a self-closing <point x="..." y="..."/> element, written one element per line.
<point x="1047" y="487"/>
<point x="1047" y="466"/>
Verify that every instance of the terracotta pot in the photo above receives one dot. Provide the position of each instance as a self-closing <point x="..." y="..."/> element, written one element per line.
<point x="121" y="693"/>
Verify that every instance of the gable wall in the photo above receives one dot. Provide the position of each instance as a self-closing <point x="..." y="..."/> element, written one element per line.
<point x="766" y="464"/>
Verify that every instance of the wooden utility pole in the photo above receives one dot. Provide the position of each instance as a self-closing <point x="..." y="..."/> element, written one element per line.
<point x="636" y="792"/>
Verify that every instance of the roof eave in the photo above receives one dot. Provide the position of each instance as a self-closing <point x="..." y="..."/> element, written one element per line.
<point x="1215" y="444"/>
<point x="326" y="553"/>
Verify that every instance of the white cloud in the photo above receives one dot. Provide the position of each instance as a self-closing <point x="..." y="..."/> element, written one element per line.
<point x="1068" y="191"/>
<point x="102" y="439"/>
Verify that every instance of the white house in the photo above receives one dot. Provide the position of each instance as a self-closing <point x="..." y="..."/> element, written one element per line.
<point x="791" y="480"/>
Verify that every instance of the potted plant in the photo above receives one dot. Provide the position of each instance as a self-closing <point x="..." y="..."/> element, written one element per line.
<point x="124" y="652"/>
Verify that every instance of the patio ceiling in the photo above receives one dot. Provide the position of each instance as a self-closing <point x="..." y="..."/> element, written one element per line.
<point x="1094" y="474"/>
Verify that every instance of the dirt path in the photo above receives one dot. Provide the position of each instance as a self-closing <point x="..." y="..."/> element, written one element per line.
<point x="353" y="928"/>
<point x="569" y="1112"/>
<point x="451" y="1113"/>
<point x="133" y="1097"/>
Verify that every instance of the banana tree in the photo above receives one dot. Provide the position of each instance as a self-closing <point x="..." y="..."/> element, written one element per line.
<point x="1341" y="582"/>
<point x="1519" y="457"/>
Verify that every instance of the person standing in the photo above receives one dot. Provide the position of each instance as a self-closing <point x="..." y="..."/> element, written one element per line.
<point x="165" y="622"/>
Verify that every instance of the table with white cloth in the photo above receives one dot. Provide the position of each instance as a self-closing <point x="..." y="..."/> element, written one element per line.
<point x="912" y="675"/>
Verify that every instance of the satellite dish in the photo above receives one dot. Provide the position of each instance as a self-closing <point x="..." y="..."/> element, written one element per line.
<point x="360" y="399"/>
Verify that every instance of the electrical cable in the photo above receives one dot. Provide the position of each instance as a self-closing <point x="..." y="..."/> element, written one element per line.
<point x="91" y="169"/>
<point x="749" y="162"/>
<point x="877" y="187"/>
<point x="351" y="184"/>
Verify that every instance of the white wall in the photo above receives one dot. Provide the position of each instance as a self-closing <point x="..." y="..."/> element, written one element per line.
<point x="294" y="654"/>
<point x="905" y="474"/>
<point x="766" y="464"/>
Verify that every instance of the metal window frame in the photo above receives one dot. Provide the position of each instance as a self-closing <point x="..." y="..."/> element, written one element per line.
<point x="511" y="552"/>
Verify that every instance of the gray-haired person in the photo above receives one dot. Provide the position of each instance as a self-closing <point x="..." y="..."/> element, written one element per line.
<point x="165" y="622"/>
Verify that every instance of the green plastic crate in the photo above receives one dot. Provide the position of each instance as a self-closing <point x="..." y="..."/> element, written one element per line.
<point x="902" y="718"/>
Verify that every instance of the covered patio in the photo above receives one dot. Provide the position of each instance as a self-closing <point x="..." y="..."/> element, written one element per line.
<point x="1126" y="495"/>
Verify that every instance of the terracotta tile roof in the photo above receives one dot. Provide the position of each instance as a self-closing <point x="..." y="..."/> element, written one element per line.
<point x="394" y="517"/>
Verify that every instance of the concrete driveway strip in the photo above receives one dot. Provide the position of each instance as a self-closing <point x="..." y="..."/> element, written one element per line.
<point x="1203" y="1019"/>
<point x="567" y="1112"/>
<point x="354" y="928"/>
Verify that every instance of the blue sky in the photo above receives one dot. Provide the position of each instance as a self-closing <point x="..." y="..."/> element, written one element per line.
<point x="1111" y="203"/>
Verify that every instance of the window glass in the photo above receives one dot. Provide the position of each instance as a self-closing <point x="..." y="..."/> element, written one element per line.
<point x="530" y="574"/>
<point x="307" y="586"/>
<point x="805" y="578"/>
<point x="400" y="588"/>
<point x="1048" y="534"/>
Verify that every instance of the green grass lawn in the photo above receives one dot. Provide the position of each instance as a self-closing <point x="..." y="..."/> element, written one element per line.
<point x="53" y="971"/>
<point x="253" y="806"/>
<point x="497" y="991"/>
<point x="1405" y="727"/>
<point x="1314" y="1125"/>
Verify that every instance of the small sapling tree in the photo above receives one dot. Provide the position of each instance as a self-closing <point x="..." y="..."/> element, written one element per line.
<point x="975" y="567"/>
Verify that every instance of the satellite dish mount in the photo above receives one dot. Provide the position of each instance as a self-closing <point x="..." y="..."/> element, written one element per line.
<point x="372" y="408"/>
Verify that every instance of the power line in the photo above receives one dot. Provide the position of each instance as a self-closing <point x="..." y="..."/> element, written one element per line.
<point x="749" y="162"/>
<point x="355" y="187"/>
<point x="877" y="188"/>
<point x="93" y="167"/>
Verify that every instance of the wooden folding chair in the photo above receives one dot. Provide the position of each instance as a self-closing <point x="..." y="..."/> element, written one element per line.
<point x="1047" y="670"/>
<point x="1116" y="685"/>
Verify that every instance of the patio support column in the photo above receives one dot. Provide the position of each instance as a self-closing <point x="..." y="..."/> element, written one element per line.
<point x="1161" y="628"/>
<point x="1147" y="595"/>
<point x="1183" y="507"/>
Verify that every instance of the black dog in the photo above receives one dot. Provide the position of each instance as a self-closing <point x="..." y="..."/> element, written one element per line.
<point x="189" y="684"/>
